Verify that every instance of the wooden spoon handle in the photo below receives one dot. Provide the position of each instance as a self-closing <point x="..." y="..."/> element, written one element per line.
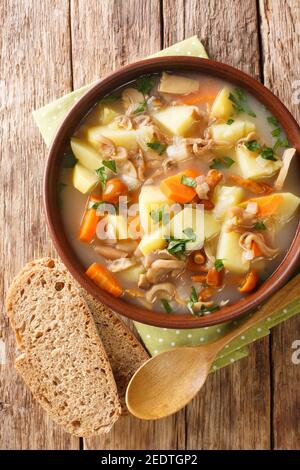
<point x="282" y="298"/>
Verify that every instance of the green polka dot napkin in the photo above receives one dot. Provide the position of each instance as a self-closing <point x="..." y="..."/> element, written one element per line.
<point x="156" y="339"/>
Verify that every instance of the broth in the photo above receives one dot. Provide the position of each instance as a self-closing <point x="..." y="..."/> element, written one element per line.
<point x="238" y="137"/>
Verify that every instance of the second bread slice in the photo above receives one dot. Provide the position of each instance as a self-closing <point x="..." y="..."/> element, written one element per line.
<point x="63" y="361"/>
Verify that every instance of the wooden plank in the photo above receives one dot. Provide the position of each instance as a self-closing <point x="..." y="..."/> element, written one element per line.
<point x="281" y="44"/>
<point x="106" y="35"/>
<point x="233" y="410"/>
<point x="35" y="68"/>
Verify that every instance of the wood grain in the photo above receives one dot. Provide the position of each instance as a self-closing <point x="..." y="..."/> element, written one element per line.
<point x="43" y="49"/>
<point x="280" y="45"/>
<point x="236" y="399"/>
<point x="35" y="69"/>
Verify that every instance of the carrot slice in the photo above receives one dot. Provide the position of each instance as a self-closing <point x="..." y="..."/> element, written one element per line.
<point x="199" y="278"/>
<point x="214" y="277"/>
<point x="175" y="190"/>
<point x="248" y="184"/>
<point x="249" y="283"/>
<point x="256" y="250"/>
<point x="206" y="94"/>
<point x="104" y="279"/>
<point x="206" y="294"/>
<point x="89" y="221"/>
<point x="267" y="205"/>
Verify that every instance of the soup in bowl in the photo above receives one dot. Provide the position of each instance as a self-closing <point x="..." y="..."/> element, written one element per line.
<point x="178" y="194"/>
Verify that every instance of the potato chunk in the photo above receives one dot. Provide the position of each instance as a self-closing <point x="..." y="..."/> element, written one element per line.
<point x="177" y="84"/>
<point x="120" y="137"/>
<point x="231" y="133"/>
<point x="151" y="199"/>
<point x="83" y="179"/>
<point x="153" y="241"/>
<point x="86" y="154"/>
<point x="230" y="252"/>
<point x="253" y="166"/>
<point x="222" y="107"/>
<point x="176" y="119"/>
<point x="226" y="197"/>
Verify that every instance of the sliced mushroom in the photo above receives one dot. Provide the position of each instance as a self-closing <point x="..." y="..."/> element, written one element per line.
<point x="131" y="99"/>
<point x="124" y="122"/>
<point x="143" y="282"/>
<point x="246" y="244"/>
<point x="165" y="290"/>
<point x="142" y="120"/>
<point x="161" y="254"/>
<point x="139" y="163"/>
<point x="107" y="147"/>
<point x="121" y="264"/>
<point x="162" y="267"/>
<point x="109" y="252"/>
<point x="127" y="245"/>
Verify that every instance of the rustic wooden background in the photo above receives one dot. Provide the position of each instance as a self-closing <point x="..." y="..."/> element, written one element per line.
<point x="50" y="47"/>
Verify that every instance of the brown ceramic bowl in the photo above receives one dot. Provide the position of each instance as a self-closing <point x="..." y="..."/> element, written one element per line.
<point x="69" y="257"/>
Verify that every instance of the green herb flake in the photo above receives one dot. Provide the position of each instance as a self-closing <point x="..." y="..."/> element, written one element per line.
<point x="276" y="132"/>
<point x="190" y="234"/>
<point x="192" y="300"/>
<point x="157" y="147"/>
<point x="188" y="181"/>
<point x="272" y="121"/>
<point x="144" y="84"/>
<point x="140" y="108"/>
<point x="69" y="160"/>
<point x="109" y="99"/>
<point x="219" y="265"/>
<point x="281" y="143"/>
<point x="268" y="154"/>
<point x="102" y="176"/>
<point x="259" y="225"/>
<point x="176" y="247"/>
<point x="252" y="145"/>
<point x="166" y="305"/>
<point x="239" y="99"/>
<point x="111" y="165"/>
<point x="219" y="164"/>
<point x="94" y="205"/>
<point x="230" y="121"/>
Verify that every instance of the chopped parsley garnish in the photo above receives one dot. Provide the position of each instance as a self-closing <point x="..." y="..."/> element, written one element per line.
<point x="268" y="154"/>
<point x="145" y="84"/>
<point x="230" y="121"/>
<point x="281" y="143"/>
<point x="252" y="145"/>
<point x="190" y="234"/>
<point x="192" y="300"/>
<point x="102" y="176"/>
<point x="188" y="181"/>
<point x="276" y="132"/>
<point x="239" y="100"/>
<point x="69" y="160"/>
<point x="109" y="99"/>
<point x="176" y="246"/>
<point x="111" y="165"/>
<point x="273" y="121"/>
<point x="140" y="108"/>
<point x="259" y="225"/>
<point x="157" y="147"/>
<point x="159" y="215"/>
<point x="219" y="265"/>
<point x="203" y="309"/>
<point x="166" y="305"/>
<point x="219" y="164"/>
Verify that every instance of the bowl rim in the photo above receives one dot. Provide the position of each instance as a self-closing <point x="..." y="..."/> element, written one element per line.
<point x="55" y="226"/>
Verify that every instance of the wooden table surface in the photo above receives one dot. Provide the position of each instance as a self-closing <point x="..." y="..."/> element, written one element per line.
<point x="51" y="47"/>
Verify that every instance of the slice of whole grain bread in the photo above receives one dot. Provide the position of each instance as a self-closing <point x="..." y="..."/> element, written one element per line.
<point x="63" y="362"/>
<point x="124" y="351"/>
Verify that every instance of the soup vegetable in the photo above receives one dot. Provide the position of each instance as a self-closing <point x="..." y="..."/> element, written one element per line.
<point x="178" y="193"/>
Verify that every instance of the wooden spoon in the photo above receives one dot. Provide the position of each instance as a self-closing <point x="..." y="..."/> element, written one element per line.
<point x="167" y="382"/>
